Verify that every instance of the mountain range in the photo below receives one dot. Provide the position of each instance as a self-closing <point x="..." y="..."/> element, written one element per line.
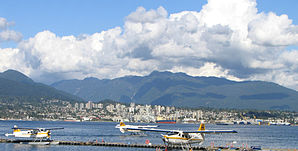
<point x="182" y="90"/>
<point x="15" y="86"/>
<point x="158" y="88"/>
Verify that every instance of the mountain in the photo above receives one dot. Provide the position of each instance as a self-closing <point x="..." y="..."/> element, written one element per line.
<point x="182" y="90"/>
<point x="16" y="86"/>
<point x="16" y="76"/>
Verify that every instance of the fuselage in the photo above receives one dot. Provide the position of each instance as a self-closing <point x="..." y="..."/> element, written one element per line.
<point x="183" y="138"/>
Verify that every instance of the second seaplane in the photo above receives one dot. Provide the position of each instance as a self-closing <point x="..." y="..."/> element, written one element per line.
<point x="40" y="134"/>
<point x="183" y="137"/>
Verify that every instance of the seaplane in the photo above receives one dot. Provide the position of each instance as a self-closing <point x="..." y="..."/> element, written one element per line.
<point x="35" y="133"/>
<point x="183" y="137"/>
<point x="132" y="128"/>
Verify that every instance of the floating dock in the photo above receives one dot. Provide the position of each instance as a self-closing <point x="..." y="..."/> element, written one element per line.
<point x="112" y="144"/>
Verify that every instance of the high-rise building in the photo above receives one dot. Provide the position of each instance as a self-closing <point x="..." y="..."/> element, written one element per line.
<point x="82" y="106"/>
<point x="89" y="105"/>
<point x="100" y="105"/>
<point x="199" y="115"/>
<point x="76" y="106"/>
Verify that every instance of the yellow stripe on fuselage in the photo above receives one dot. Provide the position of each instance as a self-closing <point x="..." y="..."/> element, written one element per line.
<point x="183" y="138"/>
<point x="176" y="138"/>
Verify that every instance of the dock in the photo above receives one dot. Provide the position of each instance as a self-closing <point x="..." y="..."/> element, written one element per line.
<point x="113" y="144"/>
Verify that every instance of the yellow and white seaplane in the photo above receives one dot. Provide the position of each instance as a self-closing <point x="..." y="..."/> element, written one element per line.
<point x="130" y="128"/>
<point x="36" y="133"/>
<point x="187" y="137"/>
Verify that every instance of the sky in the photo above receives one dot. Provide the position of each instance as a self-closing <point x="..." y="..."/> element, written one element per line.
<point x="53" y="40"/>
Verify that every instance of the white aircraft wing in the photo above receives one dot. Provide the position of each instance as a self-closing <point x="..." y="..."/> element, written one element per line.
<point x="212" y="131"/>
<point x="26" y="128"/>
<point x="54" y="128"/>
<point x="146" y="126"/>
<point x="177" y="131"/>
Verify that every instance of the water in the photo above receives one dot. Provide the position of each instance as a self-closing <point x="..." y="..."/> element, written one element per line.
<point x="281" y="137"/>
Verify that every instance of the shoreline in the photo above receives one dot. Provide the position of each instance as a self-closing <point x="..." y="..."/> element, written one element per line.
<point x="127" y="122"/>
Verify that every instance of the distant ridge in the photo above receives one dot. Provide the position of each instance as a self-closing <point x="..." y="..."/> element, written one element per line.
<point x="182" y="90"/>
<point x="15" y="86"/>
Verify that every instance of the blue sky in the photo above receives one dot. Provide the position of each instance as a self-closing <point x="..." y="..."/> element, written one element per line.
<point x="52" y="40"/>
<point x="75" y="17"/>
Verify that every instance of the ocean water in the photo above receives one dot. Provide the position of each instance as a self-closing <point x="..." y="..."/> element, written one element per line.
<point x="270" y="137"/>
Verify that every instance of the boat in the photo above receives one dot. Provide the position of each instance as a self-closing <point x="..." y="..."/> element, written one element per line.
<point x="279" y="123"/>
<point x="242" y="122"/>
<point x="166" y="121"/>
<point x="189" y="120"/>
<point x="221" y="123"/>
<point x="224" y="122"/>
<point x="36" y="143"/>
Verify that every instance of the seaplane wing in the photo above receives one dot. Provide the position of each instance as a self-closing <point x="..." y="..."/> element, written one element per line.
<point x="54" y="128"/>
<point x="26" y="128"/>
<point x="211" y="131"/>
<point x="177" y="131"/>
<point x="133" y="128"/>
<point x="200" y="130"/>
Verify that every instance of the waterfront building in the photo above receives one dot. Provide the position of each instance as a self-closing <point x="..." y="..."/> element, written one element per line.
<point x="89" y="105"/>
<point x="76" y="106"/>
<point x="82" y="105"/>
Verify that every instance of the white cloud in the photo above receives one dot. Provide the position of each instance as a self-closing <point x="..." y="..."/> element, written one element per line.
<point x="143" y="16"/>
<point x="6" y="34"/>
<point x="272" y="30"/>
<point x="228" y="39"/>
<point x="10" y="35"/>
<point x="209" y="69"/>
<point x="4" y="23"/>
<point x="13" y="59"/>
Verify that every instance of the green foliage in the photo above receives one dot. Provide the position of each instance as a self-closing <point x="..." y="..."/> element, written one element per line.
<point x="14" y="86"/>
<point x="181" y="90"/>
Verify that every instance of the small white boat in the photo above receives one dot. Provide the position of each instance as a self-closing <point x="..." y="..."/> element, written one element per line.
<point x="36" y="143"/>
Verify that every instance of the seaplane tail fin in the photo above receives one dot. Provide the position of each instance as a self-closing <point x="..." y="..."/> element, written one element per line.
<point x="16" y="129"/>
<point x="122" y="124"/>
<point x="202" y="127"/>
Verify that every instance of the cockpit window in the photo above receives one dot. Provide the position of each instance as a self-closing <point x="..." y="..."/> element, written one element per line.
<point x="187" y="135"/>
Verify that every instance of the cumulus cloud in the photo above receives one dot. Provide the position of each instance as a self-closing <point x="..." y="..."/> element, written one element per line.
<point x="4" y="23"/>
<point x="208" y="69"/>
<point x="6" y="34"/>
<point x="228" y="39"/>
<point x="272" y="30"/>
<point x="10" y="35"/>
<point x="13" y="58"/>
